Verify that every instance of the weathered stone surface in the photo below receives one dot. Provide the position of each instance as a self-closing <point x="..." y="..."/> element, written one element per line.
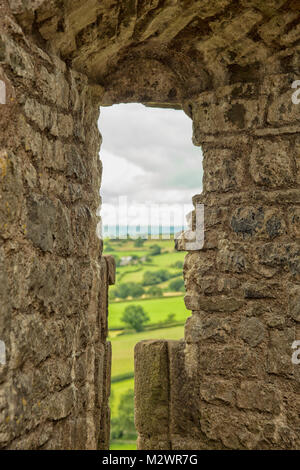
<point x="198" y="328"/>
<point x="210" y="304"/>
<point x="277" y="255"/>
<point x="258" y="396"/>
<point x="223" y="171"/>
<point x="213" y="391"/>
<point x="275" y="319"/>
<point x="294" y="303"/>
<point x="252" y="331"/>
<point x="279" y="360"/>
<point x="56" y="361"/>
<point x="230" y="65"/>
<point x="152" y="388"/>
<point x="232" y="257"/>
<point x="294" y="221"/>
<point x="180" y="417"/>
<point x="259" y="222"/>
<point x="257" y="291"/>
<point x="229" y="361"/>
<point x="271" y="164"/>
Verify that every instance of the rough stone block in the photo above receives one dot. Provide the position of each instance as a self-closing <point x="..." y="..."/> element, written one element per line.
<point x="200" y="327"/>
<point x="254" y="290"/>
<point x="111" y="269"/>
<point x="41" y="222"/>
<point x="252" y="331"/>
<point x="152" y="388"/>
<point x="231" y="257"/>
<point x="223" y="171"/>
<point x="259" y="396"/>
<point x="183" y="394"/>
<point x="258" y="222"/>
<point x="279" y="255"/>
<point x="217" y="390"/>
<point x="294" y="303"/>
<point x="294" y="221"/>
<point x="271" y="164"/>
<point x="230" y="361"/>
<point x="279" y="360"/>
<point x="194" y="301"/>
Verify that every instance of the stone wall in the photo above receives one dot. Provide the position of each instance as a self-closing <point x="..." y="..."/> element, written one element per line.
<point x="232" y="384"/>
<point x="53" y="282"/>
<point x="230" y="65"/>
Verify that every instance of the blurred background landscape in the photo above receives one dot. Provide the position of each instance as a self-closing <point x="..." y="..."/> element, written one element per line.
<point x="146" y="303"/>
<point x="151" y="171"/>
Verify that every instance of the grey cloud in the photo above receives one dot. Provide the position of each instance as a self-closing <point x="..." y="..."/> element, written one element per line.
<point x="156" y="140"/>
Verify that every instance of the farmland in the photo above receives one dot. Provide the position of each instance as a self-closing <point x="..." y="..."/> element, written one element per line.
<point x="157" y="309"/>
<point x="166" y="315"/>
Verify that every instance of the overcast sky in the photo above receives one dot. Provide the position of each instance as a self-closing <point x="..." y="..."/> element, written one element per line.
<point x="148" y="156"/>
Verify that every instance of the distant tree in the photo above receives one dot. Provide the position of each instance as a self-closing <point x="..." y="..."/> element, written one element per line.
<point x="178" y="264"/>
<point x="130" y="289"/>
<point x="163" y="274"/>
<point x="151" y="278"/>
<point x="154" y="250"/>
<point x="135" y="317"/>
<point x="123" y="425"/>
<point x="108" y="247"/>
<point x="176" y="285"/>
<point x="122" y="291"/>
<point x="155" y="291"/>
<point x="139" y="242"/>
<point x="111" y="294"/>
<point x="117" y="260"/>
<point x="136" y="290"/>
<point x="170" y="318"/>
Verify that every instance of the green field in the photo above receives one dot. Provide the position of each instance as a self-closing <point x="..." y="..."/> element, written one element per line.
<point x="157" y="309"/>
<point x="137" y="274"/>
<point x="123" y="346"/>
<point x="128" y="245"/>
<point x="118" y="389"/>
<point x="123" y="445"/>
<point x="134" y="273"/>
<point x="134" y="251"/>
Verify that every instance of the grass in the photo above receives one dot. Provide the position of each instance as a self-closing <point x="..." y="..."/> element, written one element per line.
<point x="165" y="284"/>
<point x="132" y="252"/>
<point x="138" y="275"/>
<point x="128" y="245"/>
<point x="118" y="389"/>
<point x="157" y="309"/>
<point x="123" y="346"/>
<point x="135" y="273"/>
<point x="167" y="259"/>
<point x="122" y="445"/>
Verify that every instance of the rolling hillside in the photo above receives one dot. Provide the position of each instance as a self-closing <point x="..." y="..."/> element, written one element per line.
<point x="169" y="305"/>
